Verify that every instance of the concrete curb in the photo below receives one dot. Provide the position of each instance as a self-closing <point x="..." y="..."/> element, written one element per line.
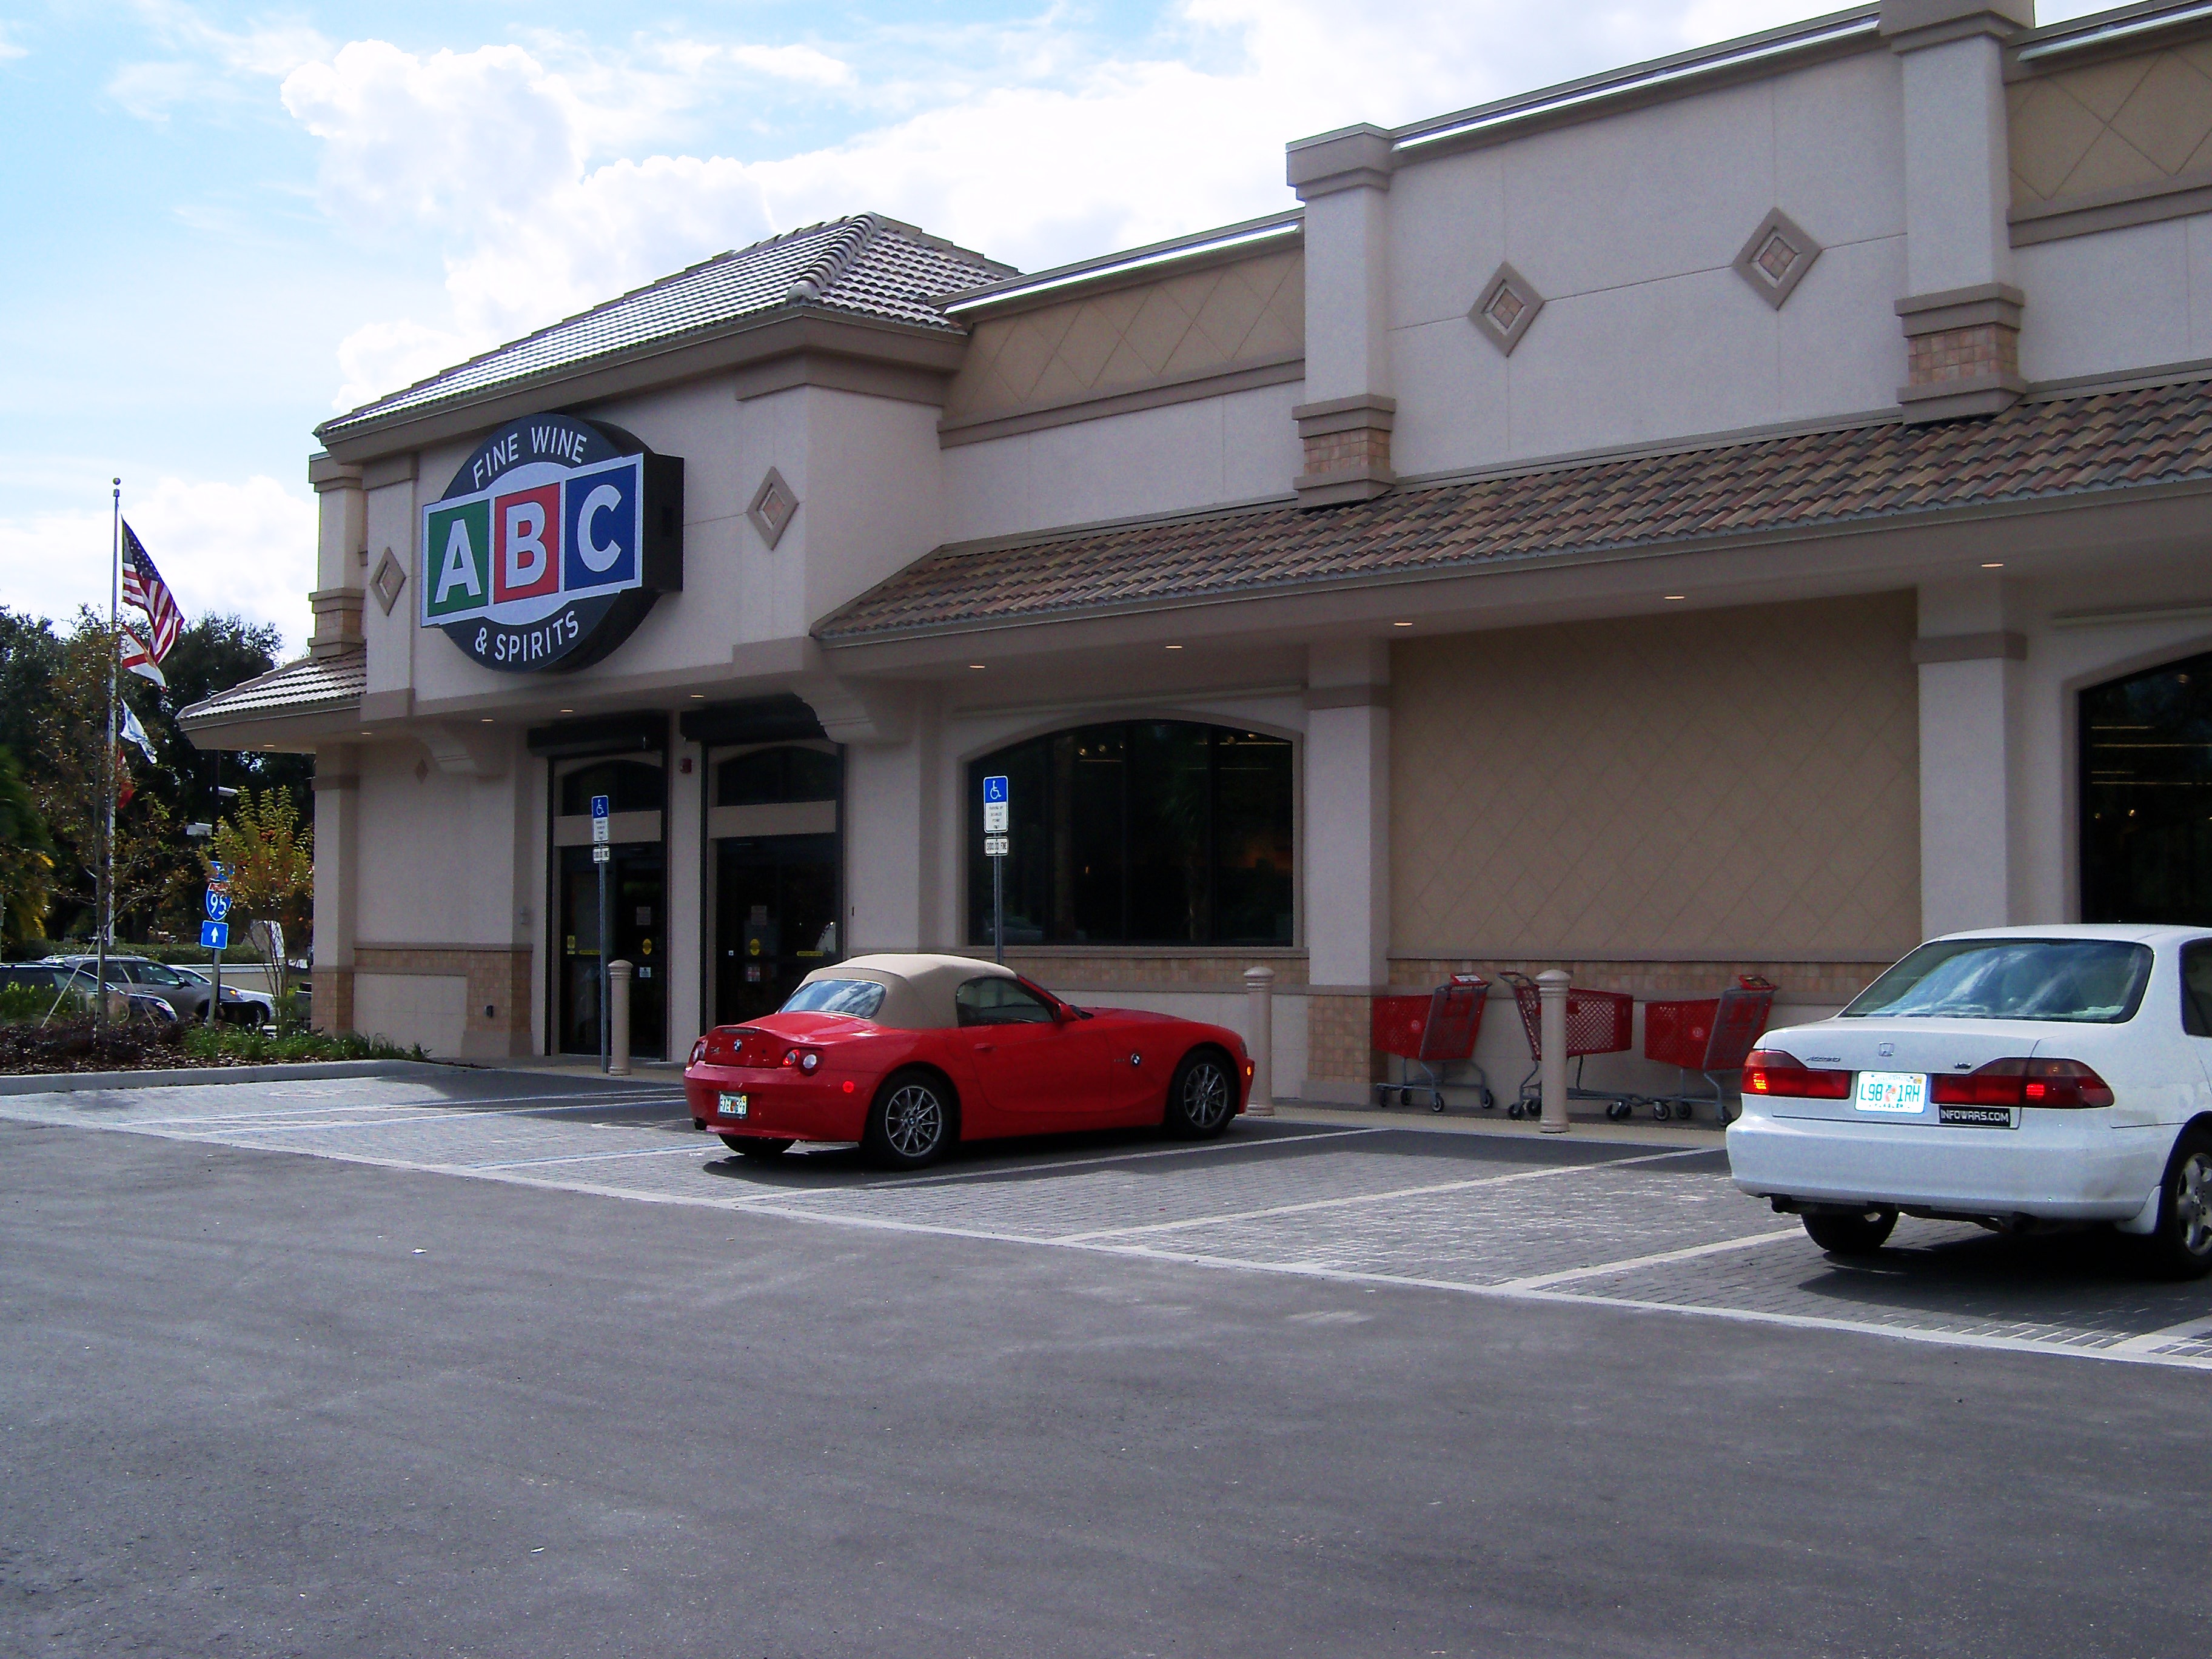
<point x="63" y="1082"/>
<point x="1703" y="1138"/>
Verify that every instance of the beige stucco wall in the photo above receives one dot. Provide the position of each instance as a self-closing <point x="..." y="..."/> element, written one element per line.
<point x="1628" y="228"/>
<point x="1731" y="785"/>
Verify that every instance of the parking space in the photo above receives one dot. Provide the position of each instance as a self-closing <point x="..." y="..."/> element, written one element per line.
<point x="1503" y="1215"/>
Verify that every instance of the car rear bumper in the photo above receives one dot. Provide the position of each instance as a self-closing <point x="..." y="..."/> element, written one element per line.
<point x="2059" y="1166"/>
<point x="777" y="1104"/>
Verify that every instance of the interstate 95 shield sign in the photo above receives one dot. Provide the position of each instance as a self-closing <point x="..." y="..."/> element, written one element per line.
<point x="551" y="543"/>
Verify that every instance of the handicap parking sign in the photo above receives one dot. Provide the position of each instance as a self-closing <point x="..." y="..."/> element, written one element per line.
<point x="994" y="790"/>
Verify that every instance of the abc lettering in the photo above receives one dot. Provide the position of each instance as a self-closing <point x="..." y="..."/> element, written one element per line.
<point x="597" y="555"/>
<point x="525" y="544"/>
<point x="458" y="567"/>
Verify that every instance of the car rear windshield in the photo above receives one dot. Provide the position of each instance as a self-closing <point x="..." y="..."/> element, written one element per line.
<point x="2092" y="981"/>
<point x="859" y="997"/>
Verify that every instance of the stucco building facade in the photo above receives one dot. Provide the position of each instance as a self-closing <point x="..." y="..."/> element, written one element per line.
<point x="1667" y="525"/>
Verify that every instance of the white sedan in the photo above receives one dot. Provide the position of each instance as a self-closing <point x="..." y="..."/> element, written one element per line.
<point x="2018" y="1077"/>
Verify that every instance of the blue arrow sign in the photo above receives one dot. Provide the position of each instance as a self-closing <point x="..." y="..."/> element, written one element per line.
<point x="218" y="903"/>
<point x="215" y="936"/>
<point x="599" y="806"/>
<point x="994" y="790"/>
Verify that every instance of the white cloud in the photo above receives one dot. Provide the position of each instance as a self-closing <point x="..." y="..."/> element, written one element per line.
<point x="9" y="49"/>
<point x="532" y="167"/>
<point x="246" y="548"/>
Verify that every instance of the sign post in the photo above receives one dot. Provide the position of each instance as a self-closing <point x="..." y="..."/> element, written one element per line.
<point x="998" y="808"/>
<point x="602" y="852"/>
<point x="214" y="932"/>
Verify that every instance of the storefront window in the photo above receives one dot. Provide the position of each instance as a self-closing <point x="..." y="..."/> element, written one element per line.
<point x="1139" y="832"/>
<point x="2146" y="796"/>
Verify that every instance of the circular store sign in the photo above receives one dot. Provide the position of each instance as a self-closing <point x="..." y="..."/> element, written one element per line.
<point x="551" y="543"/>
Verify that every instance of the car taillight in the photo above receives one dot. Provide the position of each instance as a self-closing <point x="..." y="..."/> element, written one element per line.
<point x="1771" y="1072"/>
<point x="2063" y="1083"/>
<point x="699" y="1051"/>
<point x="804" y="1059"/>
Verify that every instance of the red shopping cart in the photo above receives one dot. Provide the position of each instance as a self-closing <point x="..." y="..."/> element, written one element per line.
<point x="1434" y="1032"/>
<point x="1598" y="1022"/>
<point x="1708" y="1034"/>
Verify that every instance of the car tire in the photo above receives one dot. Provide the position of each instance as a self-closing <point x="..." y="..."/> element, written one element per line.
<point x="762" y="1147"/>
<point x="911" y="1123"/>
<point x="1860" y="1232"/>
<point x="2181" y="1246"/>
<point x="1201" y="1095"/>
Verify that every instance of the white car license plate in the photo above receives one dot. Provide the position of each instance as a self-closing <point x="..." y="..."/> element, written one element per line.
<point x="1902" y="1093"/>
<point x="733" y="1105"/>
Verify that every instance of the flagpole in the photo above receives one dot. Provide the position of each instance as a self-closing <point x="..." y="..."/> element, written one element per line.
<point x="107" y="749"/>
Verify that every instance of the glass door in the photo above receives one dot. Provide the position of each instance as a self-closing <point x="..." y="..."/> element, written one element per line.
<point x="775" y="920"/>
<point x="638" y="882"/>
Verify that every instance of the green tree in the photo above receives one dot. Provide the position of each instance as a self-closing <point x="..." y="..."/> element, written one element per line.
<point x="70" y="786"/>
<point x="271" y="855"/>
<point x="26" y="860"/>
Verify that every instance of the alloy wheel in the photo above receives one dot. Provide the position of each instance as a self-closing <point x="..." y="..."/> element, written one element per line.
<point x="2192" y="1204"/>
<point x="1207" y="1102"/>
<point x="913" y="1121"/>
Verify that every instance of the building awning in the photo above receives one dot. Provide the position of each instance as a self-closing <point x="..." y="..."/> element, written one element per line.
<point x="2052" y="448"/>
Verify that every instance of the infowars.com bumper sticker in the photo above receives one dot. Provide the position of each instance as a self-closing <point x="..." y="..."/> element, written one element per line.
<point x="551" y="543"/>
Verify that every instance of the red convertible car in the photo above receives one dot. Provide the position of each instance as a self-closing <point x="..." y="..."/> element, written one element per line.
<point x="907" y="1054"/>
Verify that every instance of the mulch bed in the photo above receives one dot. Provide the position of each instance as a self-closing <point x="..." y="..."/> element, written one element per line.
<point x="71" y="1047"/>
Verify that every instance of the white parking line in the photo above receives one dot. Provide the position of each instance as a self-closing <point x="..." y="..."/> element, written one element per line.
<point x="2198" y="1329"/>
<point x="1058" y="1164"/>
<point x="1353" y="1199"/>
<point x="1568" y="1275"/>
<point x="693" y="1148"/>
<point x="457" y="1107"/>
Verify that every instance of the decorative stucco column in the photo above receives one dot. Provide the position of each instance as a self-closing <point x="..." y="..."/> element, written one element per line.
<point x="1969" y="664"/>
<point x="1960" y="311"/>
<point x="336" y="917"/>
<point x="341" y="539"/>
<point x="1346" y="422"/>
<point x="1347" y="860"/>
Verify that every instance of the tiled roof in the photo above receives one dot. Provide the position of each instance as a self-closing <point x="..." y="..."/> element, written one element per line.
<point x="2034" y="451"/>
<point x="297" y="688"/>
<point x="865" y="266"/>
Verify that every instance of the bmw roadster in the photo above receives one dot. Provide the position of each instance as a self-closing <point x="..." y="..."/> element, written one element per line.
<point x="909" y="1054"/>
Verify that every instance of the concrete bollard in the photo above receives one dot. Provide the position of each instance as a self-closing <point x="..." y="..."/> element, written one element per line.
<point x="1552" y="985"/>
<point x="618" y="973"/>
<point x="1260" y="1038"/>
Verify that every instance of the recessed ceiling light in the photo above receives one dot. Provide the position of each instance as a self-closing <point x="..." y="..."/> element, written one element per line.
<point x="1174" y="648"/>
<point x="487" y="719"/>
<point x="1673" y="596"/>
<point x="1403" y="624"/>
<point x="975" y="665"/>
<point x="568" y="711"/>
<point x="1993" y="564"/>
<point x="698" y="696"/>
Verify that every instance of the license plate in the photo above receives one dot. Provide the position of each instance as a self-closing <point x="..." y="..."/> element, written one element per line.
<point x="1902" y="1093"/>
<point x="733" y="1105"/>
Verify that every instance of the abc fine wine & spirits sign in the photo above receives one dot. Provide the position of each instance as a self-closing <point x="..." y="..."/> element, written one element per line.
<point x="551" y="543"/>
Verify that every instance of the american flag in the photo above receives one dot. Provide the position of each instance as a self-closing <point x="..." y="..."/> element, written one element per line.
<point x="142" y="586"/>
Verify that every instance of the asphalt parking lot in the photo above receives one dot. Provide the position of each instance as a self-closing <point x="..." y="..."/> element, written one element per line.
<point x="512" y="1363"/>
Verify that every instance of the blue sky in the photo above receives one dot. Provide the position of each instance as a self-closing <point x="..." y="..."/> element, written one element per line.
<point x="225" y="225"/>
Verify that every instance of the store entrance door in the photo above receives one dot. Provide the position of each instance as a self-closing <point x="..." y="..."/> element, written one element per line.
<point x="637" y="880"/>
<point x="775" y="920"/>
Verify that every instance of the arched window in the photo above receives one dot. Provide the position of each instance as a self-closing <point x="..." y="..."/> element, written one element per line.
<point x="1139" y="832"/>
<point x="632" y="786"/>
<point x="770" y="777"/>
<point x="2146" y="796"/>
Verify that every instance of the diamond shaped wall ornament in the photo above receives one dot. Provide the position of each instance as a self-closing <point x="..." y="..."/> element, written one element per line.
<point x="391" y="576"/>
<point x="1776" y="259"/>
<point x="1508" y="305"/>
<point x="774" y="504"/>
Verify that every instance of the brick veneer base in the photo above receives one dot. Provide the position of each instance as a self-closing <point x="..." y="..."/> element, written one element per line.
<point x="498" y="977"/>
<point x="1979" y="352"/>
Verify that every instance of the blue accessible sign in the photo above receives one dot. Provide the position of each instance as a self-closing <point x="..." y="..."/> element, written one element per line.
<point x="994" y="790"/>
<point x="214" y="935"/>
<point x="598" y="806"/>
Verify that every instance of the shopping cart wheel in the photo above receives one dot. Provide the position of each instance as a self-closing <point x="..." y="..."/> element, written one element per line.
<point x="1615" y="1110"/>
<point x="1436" y="1100"/>
<point x="1661" y="1111"/>
<point x="1514" y="1112"/>
<point x="1489" y="1101"/>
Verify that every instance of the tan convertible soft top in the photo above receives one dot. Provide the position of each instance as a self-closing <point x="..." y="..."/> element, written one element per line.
<point x="918" y="989"/>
